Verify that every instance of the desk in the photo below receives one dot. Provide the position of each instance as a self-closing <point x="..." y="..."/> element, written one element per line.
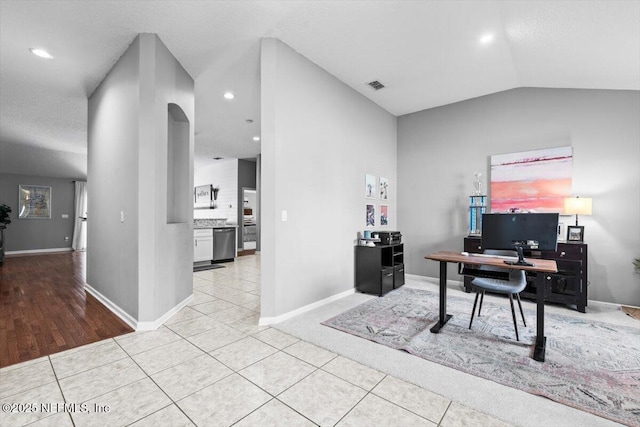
<point x="541" y="267"/>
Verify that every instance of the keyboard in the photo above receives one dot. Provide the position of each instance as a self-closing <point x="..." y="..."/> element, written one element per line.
<point x="513" y="258"/>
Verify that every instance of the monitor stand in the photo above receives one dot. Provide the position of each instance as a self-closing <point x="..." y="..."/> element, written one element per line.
<point x="521" y="260"/>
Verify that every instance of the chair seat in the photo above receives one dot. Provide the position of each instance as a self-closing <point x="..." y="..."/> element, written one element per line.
<point x="515" y="285"/>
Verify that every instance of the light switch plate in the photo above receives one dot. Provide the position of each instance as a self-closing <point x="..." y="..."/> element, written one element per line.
<point x="284" y="215"/>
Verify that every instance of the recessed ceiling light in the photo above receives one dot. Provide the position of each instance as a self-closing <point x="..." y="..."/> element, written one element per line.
<point x="487" y="38"/>
<point x="229" y="95"/>
<point x="41" y="53"/>
<point x="256" y="138"/>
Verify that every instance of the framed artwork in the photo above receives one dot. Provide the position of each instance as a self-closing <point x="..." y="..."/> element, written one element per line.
<point x="370" y="187"/>
<point x="203" y="194"/>
<point x="371" y="216"/>
<point x="34" y="202"/>
<point x="384" y="214"/>
<point x="562" y="231"/>
<point x="384" y="188"/>
<point x="575" y="233"/>
<point x="531" y="181"/>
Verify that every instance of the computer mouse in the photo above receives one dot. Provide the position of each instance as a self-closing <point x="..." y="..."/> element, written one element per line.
<point x="464" y="253"/>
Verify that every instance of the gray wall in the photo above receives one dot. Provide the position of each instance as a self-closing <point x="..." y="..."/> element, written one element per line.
<point x="440" y="149"/>
<point x="319" y="139"/>
<point x="142" y="264"/>
<point x="37" y="234"/>
<point x="112" y="182"/>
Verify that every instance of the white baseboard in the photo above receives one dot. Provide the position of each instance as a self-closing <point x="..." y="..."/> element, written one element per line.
<point x="152" y="326"/>
<point x="124" y="316"/>
<point x="38" y="251"/>
<point x="277" y="319"/>
<point x="128" y="319"/>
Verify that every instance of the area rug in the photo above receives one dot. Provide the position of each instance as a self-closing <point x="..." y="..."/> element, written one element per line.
<point x="592" y="366"/>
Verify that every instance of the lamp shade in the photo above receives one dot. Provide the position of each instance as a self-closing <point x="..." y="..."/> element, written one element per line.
<point x="577" y="206"/>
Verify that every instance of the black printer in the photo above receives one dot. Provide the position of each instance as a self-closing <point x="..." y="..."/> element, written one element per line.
<point x="389" y="237"/>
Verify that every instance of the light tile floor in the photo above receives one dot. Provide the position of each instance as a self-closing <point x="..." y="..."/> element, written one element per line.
<point x="211" y="364"/>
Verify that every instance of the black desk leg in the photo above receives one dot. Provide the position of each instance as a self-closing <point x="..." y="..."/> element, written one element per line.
<point x="541" y="340"/>
<point x="444" y="317"/>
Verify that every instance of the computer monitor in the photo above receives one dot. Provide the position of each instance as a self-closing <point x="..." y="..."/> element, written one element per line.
<point x="519" y="231"/>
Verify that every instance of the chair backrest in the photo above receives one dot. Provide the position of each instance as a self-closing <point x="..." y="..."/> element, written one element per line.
<point x="497" y="252"/>
<point x="516" y="277"/>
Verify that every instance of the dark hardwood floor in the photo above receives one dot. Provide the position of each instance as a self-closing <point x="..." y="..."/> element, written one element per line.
<point x="45" y="309"/>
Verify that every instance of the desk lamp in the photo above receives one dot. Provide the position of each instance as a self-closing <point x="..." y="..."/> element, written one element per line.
<point x="577" y="206"/>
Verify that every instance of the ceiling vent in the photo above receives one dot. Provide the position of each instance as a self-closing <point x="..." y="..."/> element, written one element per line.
<point x="375" y="85"/>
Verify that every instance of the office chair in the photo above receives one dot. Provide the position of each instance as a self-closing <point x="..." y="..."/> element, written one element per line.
<point x="513" y="286"/>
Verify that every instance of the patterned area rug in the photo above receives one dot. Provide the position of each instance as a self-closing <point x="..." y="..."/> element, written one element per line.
<point x="592" y="366"/>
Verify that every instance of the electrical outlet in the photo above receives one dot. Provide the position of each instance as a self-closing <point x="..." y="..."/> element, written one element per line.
<point x="121" y="216"/>
<point x="284" y="215"/>
<point x="66" y="238"/>
<point x="65" y="216"/>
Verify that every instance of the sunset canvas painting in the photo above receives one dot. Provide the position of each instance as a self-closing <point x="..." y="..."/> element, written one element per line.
<point x="531" y="181"/>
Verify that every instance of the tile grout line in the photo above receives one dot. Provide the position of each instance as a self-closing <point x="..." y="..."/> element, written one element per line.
<point x="160" y="388"/>
<point x="358" y="402"/>
<point x="61" y="392"/>
<point x="445" y="413"/>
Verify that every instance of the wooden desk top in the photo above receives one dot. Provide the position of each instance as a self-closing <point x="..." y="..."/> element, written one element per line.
<point x="540" y="265"/>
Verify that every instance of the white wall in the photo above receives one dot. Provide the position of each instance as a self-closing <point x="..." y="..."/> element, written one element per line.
<point x="143" y="264"/>
<point x="224" y="175"/>
<point x="440" y="149"/>
<point x="319" y="139"/>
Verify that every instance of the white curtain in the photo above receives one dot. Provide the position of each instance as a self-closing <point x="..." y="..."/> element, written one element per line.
<point x="80" y="225"/>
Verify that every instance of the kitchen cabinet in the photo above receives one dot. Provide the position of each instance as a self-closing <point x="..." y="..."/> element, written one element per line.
<point x="203" y="245"/>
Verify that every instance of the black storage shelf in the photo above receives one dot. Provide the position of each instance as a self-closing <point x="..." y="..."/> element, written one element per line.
<point x="379" y="269"/>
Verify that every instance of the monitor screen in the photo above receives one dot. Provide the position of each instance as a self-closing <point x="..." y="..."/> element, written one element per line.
<point x="537" y="231"/>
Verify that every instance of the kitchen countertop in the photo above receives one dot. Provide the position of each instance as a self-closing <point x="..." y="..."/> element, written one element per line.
<point x="204" y="223"/>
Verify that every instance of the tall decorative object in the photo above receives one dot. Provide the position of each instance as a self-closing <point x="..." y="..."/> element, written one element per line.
<point x="477" y="184"/>
<point x="477" y="206"/>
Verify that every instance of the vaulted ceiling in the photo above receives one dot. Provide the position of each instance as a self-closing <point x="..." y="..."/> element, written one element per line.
<point x="426" y="53"/>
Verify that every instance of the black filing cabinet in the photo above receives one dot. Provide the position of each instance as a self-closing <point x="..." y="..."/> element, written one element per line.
<point x="379" y="269"/>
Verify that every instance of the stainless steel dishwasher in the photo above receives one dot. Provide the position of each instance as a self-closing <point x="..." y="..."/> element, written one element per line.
<point x="224" y="244"/>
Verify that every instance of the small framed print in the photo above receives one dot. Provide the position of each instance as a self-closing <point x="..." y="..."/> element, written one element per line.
<point x="371" y="216"/>
<point x="575" y="233"/>
<point x="384" y="188"/>
<point x="384" y="214"/>
<point x="370" y="188"/>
